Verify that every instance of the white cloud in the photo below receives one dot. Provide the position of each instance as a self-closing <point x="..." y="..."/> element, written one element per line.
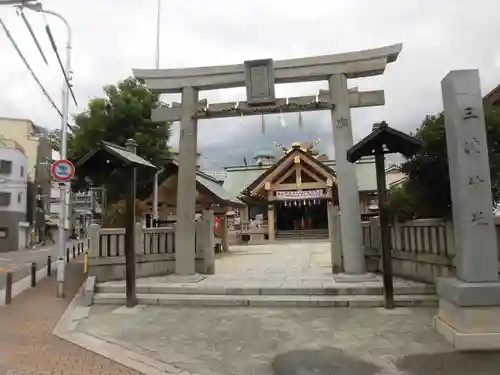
<point x="113" y="36"/>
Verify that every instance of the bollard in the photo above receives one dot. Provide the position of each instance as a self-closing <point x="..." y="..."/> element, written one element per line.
<point x="67" y="255"/>
<point x="49" y="265"/>
<point x="8" y="288"/>
<point x="33" y="274"/>
<point x="74" y="256"/>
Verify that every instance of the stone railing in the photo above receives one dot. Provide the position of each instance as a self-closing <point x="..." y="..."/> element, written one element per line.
<point x="421" y="249"/>
<point x="154" y="251"/>
<point x="252" y="234"/>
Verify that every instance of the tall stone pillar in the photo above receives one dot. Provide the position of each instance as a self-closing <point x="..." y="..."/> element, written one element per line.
<point x="209" y="253"/>
<point x="244" y="214"/>
<point x="271" y="229"/>
<point x="186" y="186"/>
<point x="350" y="215"/>
<point x="469" y="305"/>
<point x="224" y="232"/>
<point x="334" y="235"/>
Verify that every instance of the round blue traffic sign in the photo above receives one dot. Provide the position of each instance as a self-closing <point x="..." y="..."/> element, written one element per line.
<point x="62" y="170"/>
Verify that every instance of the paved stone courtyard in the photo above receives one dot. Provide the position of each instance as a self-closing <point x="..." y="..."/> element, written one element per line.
<point x="269" y="275"/>
<point x="286" y="341"/>
<point x="276" y="265"/>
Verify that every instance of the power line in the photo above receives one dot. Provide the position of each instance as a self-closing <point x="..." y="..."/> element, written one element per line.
<point x="33" y="36"/>
<point x="19" y="52"/>
<point x="54" y="47"/>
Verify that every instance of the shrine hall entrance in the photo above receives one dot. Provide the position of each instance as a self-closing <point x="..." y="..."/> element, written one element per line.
<point x="301" y="215"/>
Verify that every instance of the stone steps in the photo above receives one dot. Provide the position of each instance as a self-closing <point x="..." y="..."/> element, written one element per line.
<point x="267" y="300"/>
<point x="337" y="290"/>
<point x="313" y="234"/>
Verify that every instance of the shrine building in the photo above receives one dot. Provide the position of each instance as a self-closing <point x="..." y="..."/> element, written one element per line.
<point x="292" y="190"/>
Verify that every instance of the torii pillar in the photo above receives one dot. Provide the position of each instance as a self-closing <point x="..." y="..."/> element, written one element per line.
<point x="186" y="189"/>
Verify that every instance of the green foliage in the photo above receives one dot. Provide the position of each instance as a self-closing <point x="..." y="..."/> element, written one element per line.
<point x="55" y="139"/>
<point x="122" y="114"/>
<point x="401" y="203"/>
<point x="116" y="215"/>
<point x="427" y="191"/>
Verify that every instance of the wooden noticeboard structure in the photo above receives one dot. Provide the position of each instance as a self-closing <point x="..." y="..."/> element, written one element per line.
<point x="103" y="160"/>
<point x="384" y="140"/>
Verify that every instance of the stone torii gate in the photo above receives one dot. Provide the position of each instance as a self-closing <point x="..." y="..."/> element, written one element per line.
<point x="259" y="78"/>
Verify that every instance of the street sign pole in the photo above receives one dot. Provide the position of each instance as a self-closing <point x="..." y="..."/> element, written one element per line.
<point x="62" y="171"/>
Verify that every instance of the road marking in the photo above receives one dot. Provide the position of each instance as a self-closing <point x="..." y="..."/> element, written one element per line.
<point x="38" y="250"/>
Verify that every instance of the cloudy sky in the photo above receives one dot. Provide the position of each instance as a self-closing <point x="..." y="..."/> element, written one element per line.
<point x="113" y="36"/>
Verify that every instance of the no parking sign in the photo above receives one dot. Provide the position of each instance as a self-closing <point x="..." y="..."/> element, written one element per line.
<point x="62" y="170"/>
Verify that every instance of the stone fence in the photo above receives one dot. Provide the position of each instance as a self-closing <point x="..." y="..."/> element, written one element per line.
<point x="154" y="251"/>
<point x="421" y="249"/>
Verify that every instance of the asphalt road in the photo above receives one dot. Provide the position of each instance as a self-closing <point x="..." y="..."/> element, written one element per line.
<point x="19" y="262"/>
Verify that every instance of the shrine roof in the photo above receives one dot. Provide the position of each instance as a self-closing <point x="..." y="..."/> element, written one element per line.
<point x="211" y="186"/>
<point x="108" y="156"/>
<point x="239" y="178"/>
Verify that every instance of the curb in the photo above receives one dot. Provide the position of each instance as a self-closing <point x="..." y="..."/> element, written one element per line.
<point x="66" y="330"/>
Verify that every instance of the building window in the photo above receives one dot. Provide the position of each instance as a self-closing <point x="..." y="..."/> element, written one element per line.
<point x="4" y="199"/>
<point x="5" y="167"/>
<point x="19" y="198"/>
<point x="4" y="232"/>
<point x="22" y="171"/>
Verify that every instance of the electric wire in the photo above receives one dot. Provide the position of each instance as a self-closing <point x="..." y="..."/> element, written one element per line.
<point x="33" y="36"/>
<point x="54" y="47"/>
<point x="40" y="85"/>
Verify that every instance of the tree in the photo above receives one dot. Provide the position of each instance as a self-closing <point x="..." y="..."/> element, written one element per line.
<point x="55" y="139"/>
<point x="123" y="113"/>
<point x="427" y="191"/>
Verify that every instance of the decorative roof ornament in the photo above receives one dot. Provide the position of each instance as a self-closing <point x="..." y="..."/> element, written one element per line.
<point x="280" y="146"/>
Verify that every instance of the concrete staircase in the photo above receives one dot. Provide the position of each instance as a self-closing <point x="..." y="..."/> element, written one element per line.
<point x="311" y="234"/>
<point x="341" y="295"/>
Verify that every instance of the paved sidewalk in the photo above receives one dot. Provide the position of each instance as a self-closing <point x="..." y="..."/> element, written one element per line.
<point x="27" y="346"/>
<point x="19" y="262"/>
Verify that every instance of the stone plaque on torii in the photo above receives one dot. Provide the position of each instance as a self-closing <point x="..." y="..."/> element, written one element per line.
<point x="260" y="77"/>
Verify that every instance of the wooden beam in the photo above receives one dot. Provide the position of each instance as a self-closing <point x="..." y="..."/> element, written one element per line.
<point x="285" y="176"/>
<point x="314" y="176"/>
<point x="353" y="64"/>
<point x="357" y="99"/>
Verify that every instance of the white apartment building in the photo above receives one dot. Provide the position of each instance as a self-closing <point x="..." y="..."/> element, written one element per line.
<point x="13" y="196"/>
<point x="38" y="151"/>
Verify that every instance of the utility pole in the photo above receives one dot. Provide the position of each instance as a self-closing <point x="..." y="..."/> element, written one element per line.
<point x="63" y="187"/>
<point x="155" y="182"/>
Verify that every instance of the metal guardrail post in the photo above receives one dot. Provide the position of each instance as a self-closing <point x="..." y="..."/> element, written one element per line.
<point x="49" y="265"/>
